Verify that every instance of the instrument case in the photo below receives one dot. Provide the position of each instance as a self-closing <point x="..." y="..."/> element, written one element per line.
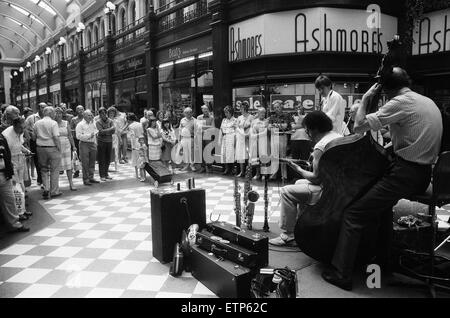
<point x="235" y="253"/>
<point x="223" y="277"/>
<point x="172" y="212"/>
<point x="248" y="239"/>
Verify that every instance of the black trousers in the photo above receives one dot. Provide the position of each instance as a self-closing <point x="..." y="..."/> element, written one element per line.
<point x="33" y="149"/>
<point x="104" y="150"/>
<point x="77" y="144"/>
<point x="374" y="209"/>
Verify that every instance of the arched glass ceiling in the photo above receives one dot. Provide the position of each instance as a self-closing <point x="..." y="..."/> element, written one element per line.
<point x="25" y="24"/>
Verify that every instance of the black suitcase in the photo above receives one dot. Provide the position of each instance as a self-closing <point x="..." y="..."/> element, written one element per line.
<point x="223" y="277"/>
<point x="158" y="171"/>
<point x="170" y="217"/>
<point x="246" y="238"/>
<point x="230" y="251"/>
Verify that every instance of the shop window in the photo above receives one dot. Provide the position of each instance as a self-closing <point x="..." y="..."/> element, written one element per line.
<point x="166" y="72"/>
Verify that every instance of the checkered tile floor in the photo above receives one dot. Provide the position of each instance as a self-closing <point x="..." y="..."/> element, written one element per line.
<point x="100" y="243"/>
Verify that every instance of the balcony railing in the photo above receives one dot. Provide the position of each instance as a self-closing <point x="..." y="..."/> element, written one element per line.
<point x="180" y="16"/>
<point x="133" y="32"/>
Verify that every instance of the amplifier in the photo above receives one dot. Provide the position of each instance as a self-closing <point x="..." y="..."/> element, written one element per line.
<point x="248" y="239"/>
<point x="228" y="250"/>
<point x="223" y="277"/>
<point x="172" y="212"/>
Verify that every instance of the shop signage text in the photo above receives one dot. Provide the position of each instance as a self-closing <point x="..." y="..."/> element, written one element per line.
<point x="310" y="30"/>
<point x="43" y="91"/>
<point x="432" y="33"/>
<point x="130" y="64"/>
<point x="54" y="88"/>
<point x="196" y="46"/>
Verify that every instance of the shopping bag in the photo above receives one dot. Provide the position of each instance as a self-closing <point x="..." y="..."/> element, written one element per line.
<point x="19" y="198"/>
<point x="75" y="162"/>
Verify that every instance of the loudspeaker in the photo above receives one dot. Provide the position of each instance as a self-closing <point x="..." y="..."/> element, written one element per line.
<point x="172" y="212"/>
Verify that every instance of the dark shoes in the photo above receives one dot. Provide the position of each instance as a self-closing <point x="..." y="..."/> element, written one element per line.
<point x="46" y="195"/>
<point x="335" y="278"/>
<point x="76" y="174"/>
<point x="20" y="229"/>
<point x="87" y="183"/>
<point x="93" y="181"/>
<point x="23" y="217"/>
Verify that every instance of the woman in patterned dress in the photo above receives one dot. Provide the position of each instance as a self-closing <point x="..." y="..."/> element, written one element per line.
<point x="258" y="140"/>
<point x="244" y="123"/>
<point x="228" y="129"/>
<point x="154" y="141"/>
<point x="67" y="144"/>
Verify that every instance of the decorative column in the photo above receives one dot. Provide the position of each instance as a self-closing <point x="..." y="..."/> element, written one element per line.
<point x="221" y="71"/>
<point x="81" y="66"/>
<point x="109" y="46"/>
<point x="151" y="67"/>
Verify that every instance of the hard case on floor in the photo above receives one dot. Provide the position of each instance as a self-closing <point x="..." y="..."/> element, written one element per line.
<point x="223" y="277"/>
<point x="235" y="253"/>
<point x="158" y="171"/>
<point x="248" y="239"/>
<point x="172" y="212"/>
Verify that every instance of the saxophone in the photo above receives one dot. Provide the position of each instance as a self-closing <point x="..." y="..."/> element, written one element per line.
<point x="250" y="198"/>
<point x="237" y="201"/>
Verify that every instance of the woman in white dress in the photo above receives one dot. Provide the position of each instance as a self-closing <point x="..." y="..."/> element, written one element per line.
<point x="228" y="130"/>
<point x="259" y="140"/>
<point x="67" y="144"/>
<point x="244" y="123"/>
<point x="115" y="138"/>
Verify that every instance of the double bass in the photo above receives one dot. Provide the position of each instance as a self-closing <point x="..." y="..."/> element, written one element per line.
<point x="348" y="168"/>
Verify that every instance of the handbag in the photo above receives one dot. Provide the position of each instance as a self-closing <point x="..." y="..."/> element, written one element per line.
<point x="75" y="161"/>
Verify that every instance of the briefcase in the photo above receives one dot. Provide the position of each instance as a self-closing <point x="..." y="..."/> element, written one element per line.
<point x="223" y="277"/>
<point x="172" y="212"/>
<point x="158" y="171"/>
<point x="248" y="239"/>
<point x="225" y="249"/>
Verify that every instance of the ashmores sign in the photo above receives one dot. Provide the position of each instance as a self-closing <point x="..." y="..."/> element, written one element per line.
<point x="432" y="34"/>
<point x="310" y="30"/>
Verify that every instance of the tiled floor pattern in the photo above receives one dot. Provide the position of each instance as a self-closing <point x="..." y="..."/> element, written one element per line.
<point x="100" y="244"/>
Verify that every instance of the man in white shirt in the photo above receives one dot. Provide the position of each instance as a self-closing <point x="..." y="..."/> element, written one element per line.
<point x="86" y="132"/>
<point x="332" y="103"/>
<point x="46" y="132"/>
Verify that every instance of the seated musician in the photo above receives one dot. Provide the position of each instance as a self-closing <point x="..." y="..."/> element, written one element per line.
<point x="305" y="191"/>
<point x="415" y="125"/>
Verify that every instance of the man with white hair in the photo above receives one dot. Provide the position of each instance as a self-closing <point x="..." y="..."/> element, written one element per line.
<point x="86" y="133"/>
<point x="186" y="138"/>
<point x="46" y="133"/>
<point x="10" y="113"/>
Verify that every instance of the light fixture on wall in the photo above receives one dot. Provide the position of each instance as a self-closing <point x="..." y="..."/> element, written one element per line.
<point x="345" y="85"/>
<point x="109" y="8"/>
<point x="356" y="85"/>
<point x="80" y="29"/>
<point x="15" y="73"/>
<point x="28" y="64"/>
<point x="62" y="41"/>
<point x="48" y="51"/>
<point x="21" y="69"/>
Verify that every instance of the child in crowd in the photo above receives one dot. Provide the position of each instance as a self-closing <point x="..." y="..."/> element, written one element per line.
<point x="142" y="157"/>
<point x="169" y="140"/>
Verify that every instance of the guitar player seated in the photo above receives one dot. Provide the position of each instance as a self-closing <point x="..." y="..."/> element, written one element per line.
<point x="305" y="191"/>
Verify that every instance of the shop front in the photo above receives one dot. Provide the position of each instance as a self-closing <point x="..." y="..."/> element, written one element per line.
<point x="430" y="57"/>
<point x="130" y="89"/>
<point x="93" y="83"/>
<point x="185" y="76"/>
<point x="55" y="93"/>
<point x="72" y="93"/>
<point x="277" y="56"/>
